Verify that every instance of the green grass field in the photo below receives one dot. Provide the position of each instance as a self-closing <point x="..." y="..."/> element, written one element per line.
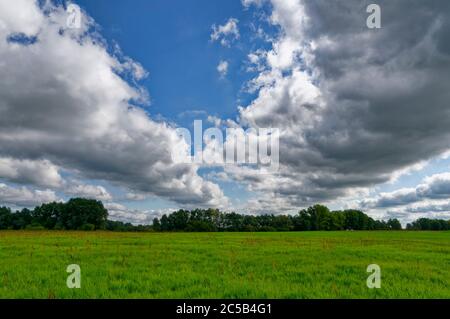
<point x="225" y="265"/>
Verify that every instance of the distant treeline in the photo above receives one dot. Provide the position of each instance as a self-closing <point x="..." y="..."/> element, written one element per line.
<point x="314" y="218"/>
<point x="317" y="217"/>
<point x="87" y="214"/>
<point x="429" y="224"/>
<point x="76" y="214"/>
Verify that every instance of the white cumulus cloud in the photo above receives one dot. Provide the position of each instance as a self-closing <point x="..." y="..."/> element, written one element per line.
<point x="226" y="33"/>
<point x="222" y="68"/>
<point x="65" y="106"/>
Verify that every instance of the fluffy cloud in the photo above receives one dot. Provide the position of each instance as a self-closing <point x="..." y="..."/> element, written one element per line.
<point x="397" y="198"/>
<point x="24" y="197"/>
<point x="424" y="209"/>
<point x="434" y="187"/>
<point x="222" y="68"/>
<point x="226" y="33"/>
<point x="248" y="3"/>
<point x="79" y="189"/>
<point x="64" y="105"/>
<point x="355" y="106"/>
<point x="121" y="213"/>
<point x="36" y="172"/>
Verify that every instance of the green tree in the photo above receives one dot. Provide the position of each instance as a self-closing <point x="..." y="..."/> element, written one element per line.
<point x="394" y="224"/>
<point x="48" y="215"/>
<point x="80" y="211"/>
<point x="5" y="218"/>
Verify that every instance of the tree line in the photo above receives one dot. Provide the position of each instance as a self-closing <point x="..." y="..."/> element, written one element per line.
<point x="317" y="217"/>
<point x="87" y="214"/>
<point x="429" y="224"/>
<point x="76" y="214"/>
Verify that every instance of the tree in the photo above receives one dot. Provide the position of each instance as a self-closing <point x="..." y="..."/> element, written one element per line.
<point x="357" y="220"/>
<point x="178" y="220"/>
<point x="48" y="215"/>
<point x="165" y="223"/>
<point x="5" y="218"/>
<point x="21" y="219"/>
<point x="282" y="223"/>
<point x="429" y="224"/>
<point x="80" y="212"/>
<point x="338" y="221"/>
<point x="394" y="224"/>
<point x="156" y="224"/>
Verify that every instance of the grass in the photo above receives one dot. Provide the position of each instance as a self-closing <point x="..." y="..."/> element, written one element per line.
<point x="225" y="265"/>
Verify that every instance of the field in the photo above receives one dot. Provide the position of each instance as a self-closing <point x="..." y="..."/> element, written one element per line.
<point x="225" y="265"/>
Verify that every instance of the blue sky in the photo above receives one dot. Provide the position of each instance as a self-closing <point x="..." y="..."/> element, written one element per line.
<point x="171" y="39"/>
<point x="362" y="113"/>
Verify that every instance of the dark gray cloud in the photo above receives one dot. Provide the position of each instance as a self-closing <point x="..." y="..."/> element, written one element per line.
<point x="358" y="104"/>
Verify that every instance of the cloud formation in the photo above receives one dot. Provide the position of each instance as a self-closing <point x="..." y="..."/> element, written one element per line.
<point x="137" y="217"/>
<point x="222" y="68"/>
<point x="79" y="189"/>
<point x="25" y="197"/>
<point x="226" y="33"/>
<point x="431" y="195"/>
<point x="355" y="106"/>
<point x="36" y="172"/>
<point x="64" y="105"/>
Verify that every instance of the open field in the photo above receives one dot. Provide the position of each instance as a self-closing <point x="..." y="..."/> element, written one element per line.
<point x="225" y="265"/>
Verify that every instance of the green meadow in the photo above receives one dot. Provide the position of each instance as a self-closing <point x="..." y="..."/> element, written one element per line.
<point x="225" y="265"/>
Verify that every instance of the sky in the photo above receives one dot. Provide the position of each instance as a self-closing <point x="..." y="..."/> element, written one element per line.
<point x="93" y="111"/>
